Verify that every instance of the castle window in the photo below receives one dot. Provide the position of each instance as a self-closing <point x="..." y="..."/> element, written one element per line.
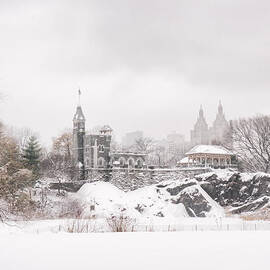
<point x="139" y="162"/>
<point x="101" y="148"/>
<point x="131" y="163"/>
<point x="101" y="162"/>
<point x="122" y="162"/>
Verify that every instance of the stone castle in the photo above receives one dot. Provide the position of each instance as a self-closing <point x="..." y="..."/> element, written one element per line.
<point x="93" y="151"/>
<point x="202" y="134"/>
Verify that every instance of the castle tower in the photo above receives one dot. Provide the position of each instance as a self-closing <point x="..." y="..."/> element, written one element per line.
<point x="200" y="133"/>
<point x="78" y="140"/>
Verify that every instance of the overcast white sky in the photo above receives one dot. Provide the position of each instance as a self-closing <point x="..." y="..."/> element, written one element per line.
<point x="141" y="65"/>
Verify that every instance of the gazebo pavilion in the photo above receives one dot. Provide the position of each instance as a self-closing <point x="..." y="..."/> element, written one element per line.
<point x="209" y="156"/>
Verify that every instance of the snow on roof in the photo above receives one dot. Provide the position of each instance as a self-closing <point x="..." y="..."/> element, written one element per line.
<point x="128" y="154"/>
<point x="185" y="161"/>
<point x="209" y="149"/>
<point x="106" y="128"/>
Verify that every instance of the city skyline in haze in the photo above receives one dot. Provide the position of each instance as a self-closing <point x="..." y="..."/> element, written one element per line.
<point x="140" y="65"/>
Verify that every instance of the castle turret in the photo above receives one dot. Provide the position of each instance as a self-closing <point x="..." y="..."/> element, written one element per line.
<point x="78" y="140"/>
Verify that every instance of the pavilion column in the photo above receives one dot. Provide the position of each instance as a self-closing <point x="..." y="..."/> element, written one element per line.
<point x="219" y="162"/>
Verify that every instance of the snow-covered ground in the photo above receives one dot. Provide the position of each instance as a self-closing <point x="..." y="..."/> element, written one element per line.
<point x="164" y="235"/>
<point x="159" y="251"/>
<point x="145" y="225"/>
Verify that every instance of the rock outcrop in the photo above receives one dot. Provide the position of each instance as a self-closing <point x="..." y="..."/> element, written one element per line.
<point x="170" y="199"/>
<point x="244" y="192"/>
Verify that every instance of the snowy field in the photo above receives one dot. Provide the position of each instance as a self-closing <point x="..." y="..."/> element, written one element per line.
<point x="153" y="225"/>
<point x="138" y="251"/>
<point x="173" y="240"/>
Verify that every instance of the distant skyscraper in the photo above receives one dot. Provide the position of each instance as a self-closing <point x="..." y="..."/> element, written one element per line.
<point x="130" y="138"/>
<point x="220" y="126"/>
<point x="176" y="143"/>
<point x="201" y="134"/>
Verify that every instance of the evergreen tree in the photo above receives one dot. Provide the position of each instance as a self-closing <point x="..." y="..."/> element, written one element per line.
<point x="31" y="155"/>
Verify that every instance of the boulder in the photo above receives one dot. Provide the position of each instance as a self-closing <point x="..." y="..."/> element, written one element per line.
<point x="238" y="190"/>
<point x="194" y="202"/>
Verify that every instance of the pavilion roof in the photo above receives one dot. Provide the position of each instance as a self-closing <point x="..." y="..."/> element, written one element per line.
<point x="210" y="149"/>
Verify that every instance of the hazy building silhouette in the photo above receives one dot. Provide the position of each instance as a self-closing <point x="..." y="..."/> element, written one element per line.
<point x="130" y="138"/>
<point x="202" y="134"/>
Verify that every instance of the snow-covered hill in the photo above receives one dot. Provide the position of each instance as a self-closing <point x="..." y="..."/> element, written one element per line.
<point x="168" y="199"/>
<point x="204" y="196"/>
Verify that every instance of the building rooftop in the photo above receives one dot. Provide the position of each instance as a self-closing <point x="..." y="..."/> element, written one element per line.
<point x="79" y="116"/>
<point x="128" y="153"/>
<point x="210" y="149"/>
<point x="106" y="128"/>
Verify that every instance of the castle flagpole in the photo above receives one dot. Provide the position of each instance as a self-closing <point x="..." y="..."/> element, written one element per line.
<point x="79" y="95"/>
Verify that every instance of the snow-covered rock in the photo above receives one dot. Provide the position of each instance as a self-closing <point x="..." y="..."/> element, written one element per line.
<point x="170" y="199"/>
<point x="243" y="191"/>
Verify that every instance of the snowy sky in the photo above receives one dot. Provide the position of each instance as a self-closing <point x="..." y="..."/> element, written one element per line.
<point x="141" y="65"/>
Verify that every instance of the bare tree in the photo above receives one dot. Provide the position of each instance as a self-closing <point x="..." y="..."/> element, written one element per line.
<point x="1" y="130"/>
<point x="159" y="153"/>
<point x="21" y="135"/>
<point x="252" y="142"/>
<point x="9" y="151"/>
<point x="63" y="145"/>
<point x="227" y="140"/>
<point x="144" y="145"/>
<point x="58" y="162"/>
<point x="53" y="166"/>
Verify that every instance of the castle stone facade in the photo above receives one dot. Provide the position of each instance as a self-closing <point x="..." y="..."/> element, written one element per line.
<point x="93" y="151"/>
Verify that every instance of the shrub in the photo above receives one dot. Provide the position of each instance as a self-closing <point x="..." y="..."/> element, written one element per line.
<point x="23" y="205"/>
<point x="79" y="226"/>
<point x="71" y="209"/>
<point x="262" y="214"/>
<point x="120" y="223"/>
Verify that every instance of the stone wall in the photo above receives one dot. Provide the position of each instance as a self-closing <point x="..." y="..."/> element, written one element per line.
<point x="128" y="180"/>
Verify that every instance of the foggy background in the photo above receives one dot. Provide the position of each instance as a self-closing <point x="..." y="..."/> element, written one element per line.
<point x="141" y="65"/>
